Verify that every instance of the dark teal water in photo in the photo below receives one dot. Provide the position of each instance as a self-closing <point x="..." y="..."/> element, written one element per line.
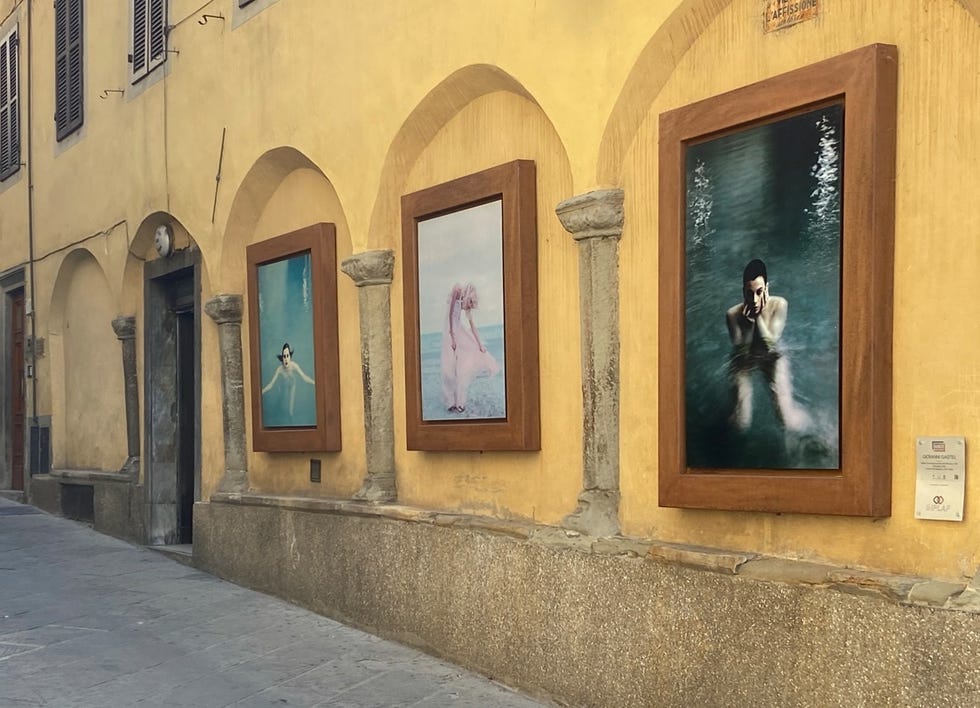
<point x="774" y="193"/>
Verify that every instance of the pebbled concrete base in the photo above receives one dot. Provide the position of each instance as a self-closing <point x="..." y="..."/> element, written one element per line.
<point x="46" y="493"/>
<point x="119" y="510"/>
<point x="595" y="629"/>
<point x="118" y="504"/>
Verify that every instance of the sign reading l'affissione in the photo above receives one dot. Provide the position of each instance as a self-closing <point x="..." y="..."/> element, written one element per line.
<point x="783" y="13"/>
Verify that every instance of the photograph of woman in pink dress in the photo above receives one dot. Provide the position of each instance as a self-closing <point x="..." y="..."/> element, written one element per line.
<point x="461" y="337"/>
<point x="464" y="356"/>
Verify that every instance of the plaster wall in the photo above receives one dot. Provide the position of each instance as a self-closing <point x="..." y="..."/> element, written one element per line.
<point x="360" y="104"/>
<point x="938" y="145"/>
<point x="13" y="190"/>
<point x="93" y="427"/>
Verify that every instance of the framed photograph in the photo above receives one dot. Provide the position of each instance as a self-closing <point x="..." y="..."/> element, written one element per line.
<point x="292" y="312"/>
<point x="471" y="312"/>
<point x="775" y="286"/>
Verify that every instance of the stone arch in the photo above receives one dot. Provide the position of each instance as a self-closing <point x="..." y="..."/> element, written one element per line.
<point x="284" y="190"/>
<point x="651" y="72"/>
<point x="476" y="117"/>
<point x="433" y="112"/>
<point x="648" y="76"/>
<point x="141" y="250"/>
<point x="259" y="185"/>
<point x="88" y="405"/>
<point x="971" y="6"/>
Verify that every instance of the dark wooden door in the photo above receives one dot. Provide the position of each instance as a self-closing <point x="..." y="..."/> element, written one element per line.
<point x="185" y="426"/>
<point x="17" y="418"/>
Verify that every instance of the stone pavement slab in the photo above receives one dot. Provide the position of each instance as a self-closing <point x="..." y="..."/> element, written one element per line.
<point x="89" y="620"/>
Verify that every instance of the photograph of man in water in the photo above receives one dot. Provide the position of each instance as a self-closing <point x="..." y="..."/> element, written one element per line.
<point x="755" y="326"/>
<point x="763" y="230"/>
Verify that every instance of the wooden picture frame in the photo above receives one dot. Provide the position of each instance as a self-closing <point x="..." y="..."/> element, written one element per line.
<point x="292" y="299"/>
<point x="737" y="132"/>
<point x="470" y="279"/>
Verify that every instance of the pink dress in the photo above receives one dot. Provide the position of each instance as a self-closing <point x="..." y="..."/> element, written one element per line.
<point x="461" y="366"/>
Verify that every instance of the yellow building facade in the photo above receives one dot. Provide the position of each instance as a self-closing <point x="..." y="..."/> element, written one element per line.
<point x="254" y="120"/>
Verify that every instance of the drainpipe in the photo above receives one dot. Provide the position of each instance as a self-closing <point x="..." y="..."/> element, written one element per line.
<point x="30" y="225"/>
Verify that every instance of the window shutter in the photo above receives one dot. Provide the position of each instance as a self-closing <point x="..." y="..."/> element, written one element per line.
<point x="157" y="32"/>
<point x="149" y="36"/>
<point x="9" y="106"/>
<point x="69" y="94"/>
<point x="139" y="37"/>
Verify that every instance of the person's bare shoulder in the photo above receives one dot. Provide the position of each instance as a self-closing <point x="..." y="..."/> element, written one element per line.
<point x="779" y="304"/>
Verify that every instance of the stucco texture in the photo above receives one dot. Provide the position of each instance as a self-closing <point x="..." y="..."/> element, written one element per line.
<point x="312" y="110"/>
<point x="936" y="150"/>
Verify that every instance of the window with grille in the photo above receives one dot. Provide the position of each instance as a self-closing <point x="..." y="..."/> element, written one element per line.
<point x="9" y="107"/>
<point x="68" y="93"/>
<point x="149" y="36"/>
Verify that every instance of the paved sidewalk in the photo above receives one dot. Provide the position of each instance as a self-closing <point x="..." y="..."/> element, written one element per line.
<point x="88" y="620"/>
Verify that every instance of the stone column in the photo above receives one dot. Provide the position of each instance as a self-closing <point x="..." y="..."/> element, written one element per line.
<point x="125" y="328"/>
<point x="371" y="272"/>
<point x="595" y="221"/>
<point x="226" y="311"/>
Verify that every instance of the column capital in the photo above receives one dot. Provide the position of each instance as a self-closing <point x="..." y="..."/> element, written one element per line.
<point x="370" y="267"/>
<point x="224" y="309"/>
<point x="595" y="214"/>
<point x="125" y="327"/>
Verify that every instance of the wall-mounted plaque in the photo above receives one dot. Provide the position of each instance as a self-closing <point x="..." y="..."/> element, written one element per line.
<point x="779" y="14"/>
<point x="940" y="478"/>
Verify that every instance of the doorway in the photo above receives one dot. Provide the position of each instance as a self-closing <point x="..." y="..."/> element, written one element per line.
<point x="16" y="431"/>
<point x="172" y="365"/>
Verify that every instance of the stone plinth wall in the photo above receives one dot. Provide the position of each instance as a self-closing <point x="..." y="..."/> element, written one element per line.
<point x="118" y="503"/>
<point x="602" y="622"/>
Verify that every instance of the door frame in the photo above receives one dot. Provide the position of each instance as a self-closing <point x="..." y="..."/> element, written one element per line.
<point x="159" y="368"/>
<point x="11" y="281"/>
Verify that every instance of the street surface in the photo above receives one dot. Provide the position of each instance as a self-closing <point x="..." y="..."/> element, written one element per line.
<point x="89" y="620"/>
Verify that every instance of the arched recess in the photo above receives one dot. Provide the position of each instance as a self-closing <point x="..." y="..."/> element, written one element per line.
<point x="261" y="182"/>
<point x="88" y="405"/>
<point x="478" y="117"/>
<point x="651" y="71"/>
<point x="142" y="250"/>
<point x="936" y="172"/>
<point x="649" y="74"/>
<point x="284" y="190"/>
<point x="433" y="112"/>
<point x="165" y="293"/>
<point x="971" y="6"/>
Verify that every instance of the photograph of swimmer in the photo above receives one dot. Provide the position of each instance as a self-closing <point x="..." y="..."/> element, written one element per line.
<point x="763" y="295"/>
<point x="285" y="292"/>
<point x="461" y="314"/>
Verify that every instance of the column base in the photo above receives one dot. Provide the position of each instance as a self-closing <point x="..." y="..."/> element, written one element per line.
<point x="234" y="481"/>
<point x="377" y="488"/>
<point x="597" y="513"/>
<point x="131" y="467"/>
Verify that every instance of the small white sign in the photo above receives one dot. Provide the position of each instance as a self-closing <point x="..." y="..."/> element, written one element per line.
<point x="940" y="478"/>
